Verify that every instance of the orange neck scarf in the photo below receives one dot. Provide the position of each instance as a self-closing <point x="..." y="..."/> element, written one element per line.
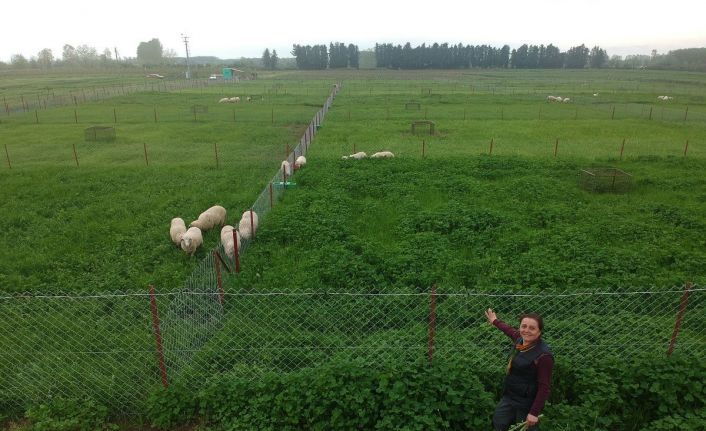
<point x="519" y="348"/>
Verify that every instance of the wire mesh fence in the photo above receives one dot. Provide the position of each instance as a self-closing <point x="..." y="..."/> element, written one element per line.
<point x="114" y="348"/>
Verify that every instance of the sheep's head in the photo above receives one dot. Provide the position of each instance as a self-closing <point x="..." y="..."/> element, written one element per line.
<point x="186" y="243"/>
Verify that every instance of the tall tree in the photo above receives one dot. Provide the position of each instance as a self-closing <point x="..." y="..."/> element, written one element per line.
<point x="274" y="59"/>
<point x="598" y="57"/>
<point x="19" y="61"/>
<point x="45" y="58"/>
<point x="353" y="56"/>
<point x="577" y="57"/>
<point x="150" y="53"/>
<point x="266" y="59"/>
<point x="68" y="54"/>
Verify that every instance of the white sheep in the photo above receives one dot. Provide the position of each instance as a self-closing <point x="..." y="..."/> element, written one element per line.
<point x="566" y="100"/>
<point x="595" y="94"/>
<point x="216" y="215"/>
<point x="177" y="230"/>
<point x="248" y="98"/>
<point x="235" y="99"/>
<point x="248" y="224"/>
<point x="191" y="240"/>
<point x="224" y="100"/>
<point x="551" y="98"/>
<point x="301" y="161"/>
<point x="227" y="234"/>
<point x="359" y="155"/>
<point x="286" y="167"/>
<point x="382" y="154"/>
<point x="344" y="157"/>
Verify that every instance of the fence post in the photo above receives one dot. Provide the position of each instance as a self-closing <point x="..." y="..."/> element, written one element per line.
<point x="215" y="150"/>
<point x="622" y="147"/>
<point x="491" y="147"/>
<point x="686" y="147"/>
<point x="36" y="116"/>
<point x="680" y="317"/>
<point x="75" y="155"/>
<point x="252" y="223"/>
<point x="271" y="202"/>
<point x="612" y="116"/>
<point x="686" y="112"/>
<point x="158" y="337"/>
<point x="76" y="116"/>
<point x="144" y="145"/>
<point x="115" y="116"/>
<point x="423" y="147"/>
<point x="556" y="146"/>
<point x="155" y="114"/>
<point x="236" y="249"/>
<point x="650" y="112"/>
<point x="219" y="279"/>
<point x="7" y="154"/>
<point x="432" y="325"/>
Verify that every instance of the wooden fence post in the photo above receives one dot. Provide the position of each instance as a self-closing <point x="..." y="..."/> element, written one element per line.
<point x="7" y="154"/>
<point x="75" y="155"/>
<point x="158" y="337"/>
<point x="215" y="150"/>
<point x="556" y="147"/>
<point x="622" y="147"/>
<point x="144" y="145"/>
<point x="686" y="147"/>
<point x="491" y="147"/>
<point x="680" y="317"/>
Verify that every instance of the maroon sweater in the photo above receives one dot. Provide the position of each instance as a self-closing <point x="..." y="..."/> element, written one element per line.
<point x="544" y="366"/>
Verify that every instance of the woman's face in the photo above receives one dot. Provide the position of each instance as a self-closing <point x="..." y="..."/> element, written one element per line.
<point x="529" y="330"/>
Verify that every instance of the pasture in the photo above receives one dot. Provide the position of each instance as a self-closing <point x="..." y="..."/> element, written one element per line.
<point x="488" y="203"/>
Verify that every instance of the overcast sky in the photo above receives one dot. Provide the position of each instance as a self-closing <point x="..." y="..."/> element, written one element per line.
<point x="234" y="29"/>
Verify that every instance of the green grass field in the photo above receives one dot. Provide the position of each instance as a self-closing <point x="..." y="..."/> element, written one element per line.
<point x="513" y="221"/>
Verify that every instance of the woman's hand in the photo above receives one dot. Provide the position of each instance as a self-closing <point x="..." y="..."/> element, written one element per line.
<point x="490" y="315"/>
<point x="532" y="420"/>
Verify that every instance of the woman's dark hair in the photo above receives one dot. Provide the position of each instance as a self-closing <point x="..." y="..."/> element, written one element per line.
<point x="536" y="317"/>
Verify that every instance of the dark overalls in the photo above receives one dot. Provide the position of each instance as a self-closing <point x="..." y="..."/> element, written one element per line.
<point x="520" y="387"/>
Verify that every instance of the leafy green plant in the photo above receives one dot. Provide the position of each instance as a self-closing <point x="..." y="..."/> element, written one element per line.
<point x="62" y="414"/>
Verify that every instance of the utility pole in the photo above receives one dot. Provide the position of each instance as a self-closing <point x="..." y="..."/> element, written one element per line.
<point x="186" y="44"/>
<point x="117" y="59"/>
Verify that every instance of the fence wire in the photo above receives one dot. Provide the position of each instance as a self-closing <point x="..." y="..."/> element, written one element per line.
<point x="104" y="347"/>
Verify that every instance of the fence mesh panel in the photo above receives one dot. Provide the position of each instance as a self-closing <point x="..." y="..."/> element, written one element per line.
<point x="104" y="346"/>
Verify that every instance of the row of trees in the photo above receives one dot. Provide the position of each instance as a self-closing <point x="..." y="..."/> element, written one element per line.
<point x="148" y="54"/>
<point x="318" y="57"/>
<point x="445" y="56"/>
<point x="269" y="61"/>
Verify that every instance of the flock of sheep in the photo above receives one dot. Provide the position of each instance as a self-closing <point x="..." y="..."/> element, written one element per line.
<point x="558" y="99"/>
<point x="235" y="99"/>
<point x="665" y="97"/>
<point x="361" y="155"/>
<point x="191" y="239"/>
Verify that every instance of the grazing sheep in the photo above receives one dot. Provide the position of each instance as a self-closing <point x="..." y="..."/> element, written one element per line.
<point x="664" y="97"/>
<point x="382" y="154"/>
<point x="301" y="161"/>
<point x="344" y="157"/>
<point x="191" y="240"/>
<point x="359" y="155"/>
<point x="286" y="167"/>
<point x="235" y="99"/>
<point x="216" y="215"/>
<point x="248" y="224"/>
<point x="248" y="98"/>
<point x="177" y="230"/>
<point x="224" y="100"/>
<point x="227" y="240"/>
<point x="551" y="98"/>
<point x="595" y="94"/>
<point x="566" y="100"/>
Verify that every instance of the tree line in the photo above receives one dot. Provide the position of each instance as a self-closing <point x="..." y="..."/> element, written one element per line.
<point x="317" y="57"/>
<point x="445" y="56"/>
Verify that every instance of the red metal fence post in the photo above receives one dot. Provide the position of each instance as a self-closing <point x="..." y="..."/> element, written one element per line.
<point x="158" y="337"/>
<point x="432" y="325"/>
<point x="680" y="317"/>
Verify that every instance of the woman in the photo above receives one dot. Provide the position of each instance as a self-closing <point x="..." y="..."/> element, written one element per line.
<point x="529" y="373"/>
